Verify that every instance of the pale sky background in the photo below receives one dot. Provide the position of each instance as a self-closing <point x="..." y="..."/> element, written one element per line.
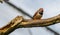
<point x="51" y="8"/>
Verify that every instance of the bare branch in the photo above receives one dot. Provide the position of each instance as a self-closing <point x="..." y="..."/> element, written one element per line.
<point x="19" y="22"/>
<point x="42" y="22"/>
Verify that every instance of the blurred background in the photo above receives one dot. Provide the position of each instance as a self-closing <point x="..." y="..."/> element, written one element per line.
<point x="27" y="8"/>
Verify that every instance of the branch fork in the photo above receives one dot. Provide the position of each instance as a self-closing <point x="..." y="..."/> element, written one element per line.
<point x="20" y="22"/>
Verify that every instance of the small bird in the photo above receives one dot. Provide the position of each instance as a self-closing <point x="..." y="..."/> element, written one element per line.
<point x="38" y="14"/>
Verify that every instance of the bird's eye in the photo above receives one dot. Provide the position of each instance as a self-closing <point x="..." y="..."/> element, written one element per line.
<point x="41" y="13"/>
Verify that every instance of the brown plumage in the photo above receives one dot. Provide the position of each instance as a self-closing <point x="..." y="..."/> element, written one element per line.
<point x="38" y="14"/>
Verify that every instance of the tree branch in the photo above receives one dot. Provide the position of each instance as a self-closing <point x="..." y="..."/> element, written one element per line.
<point x="41" y="22"/>
<point x="21" y="23"/>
